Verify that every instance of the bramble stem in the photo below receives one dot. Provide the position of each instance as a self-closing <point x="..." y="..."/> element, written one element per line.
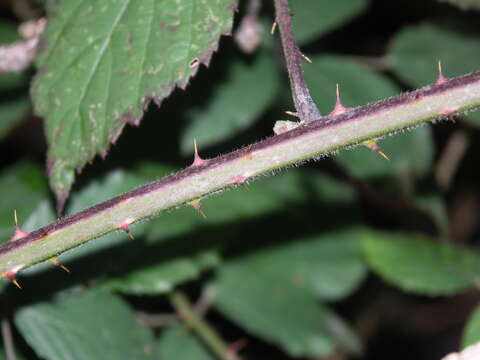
<point x="309" y="141"/>
<point x="304" y="105"/>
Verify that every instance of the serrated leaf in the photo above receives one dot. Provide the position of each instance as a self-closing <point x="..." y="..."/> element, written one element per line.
<point x="231" y="107"/>
<point x="179" y="343"/>
<point x="471" y="332"/>
<point x="420" y="265"/>
<point x="89" y="325"/>
<point x="417" y="49"/>
<point x="464" y="4"/>
<point x="312" y="18"/>
<point x="104" y="60"/>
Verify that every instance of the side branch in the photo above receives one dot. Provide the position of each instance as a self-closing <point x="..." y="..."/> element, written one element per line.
<point x="311" y="140"/>
<point x="304" y="105"/>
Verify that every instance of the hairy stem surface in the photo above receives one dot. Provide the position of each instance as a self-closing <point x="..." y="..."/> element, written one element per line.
<point x="309" y="141"/>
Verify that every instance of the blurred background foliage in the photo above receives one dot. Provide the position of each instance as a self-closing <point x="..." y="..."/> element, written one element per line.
<point x="351" y="257"/>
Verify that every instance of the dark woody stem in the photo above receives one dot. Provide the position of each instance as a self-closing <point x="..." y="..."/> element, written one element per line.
<point x="304" y="105"/>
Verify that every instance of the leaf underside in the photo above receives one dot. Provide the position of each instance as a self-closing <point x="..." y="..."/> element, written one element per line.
<point x="104" y="61"/>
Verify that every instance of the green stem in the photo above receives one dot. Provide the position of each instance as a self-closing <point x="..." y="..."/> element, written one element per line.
<point x="203" y="329"/>
<point x="312" y="140"/>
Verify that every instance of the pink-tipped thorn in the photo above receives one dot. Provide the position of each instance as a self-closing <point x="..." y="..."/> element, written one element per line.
<point x="197" y="160"/>
<point x="339" y="108"/>
<point x="19" y="233"/>
<point x="54" y="260"/>
<point x="441" y="79"/>
<point x="125" y="228"/>
<point x="197" y="206"/>
<point x="372" y="145"/>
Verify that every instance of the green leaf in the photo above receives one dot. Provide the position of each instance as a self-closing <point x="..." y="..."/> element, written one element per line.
<point x="329" y="265"/>
<point x="417" y="264"/>
<point x="417" y="49"/>
<point x="471" y="333"/>
<point x="272" y="292"/>
<point x="231" y="106"/>
<point x="313" y="18"/>
<point x="105" y="60"/>
<point x="358" y="84"/>
<point x="179" y="343"/>
<point x="162" y="277"/>
<point x="275" y="310"/>
<point x="12" y="112"/>
<point x="88" y="325"/>
<point x="464" y="4"/>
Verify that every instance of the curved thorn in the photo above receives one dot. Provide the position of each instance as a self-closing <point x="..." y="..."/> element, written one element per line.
<point x="125" y="228"/>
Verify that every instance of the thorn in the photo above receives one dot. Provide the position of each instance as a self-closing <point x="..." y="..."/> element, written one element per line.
<point x="10" y="275"/>
<point x="274" y="26"/>
<point x="306" y="58"/>
<point x="54" y="260"/>
<point x="339" y="108"/>
<point x="240" y="180"/>
<point x="372" y="145"/>
<point x="197" y="206"/>
<point x="197" y="160"/>
<point x="19" y="233"/>
<point x="441" y="79"/>
<point x="125" y="228"/>
<point x="15" y="282"/>
<point x="291" y="113"/>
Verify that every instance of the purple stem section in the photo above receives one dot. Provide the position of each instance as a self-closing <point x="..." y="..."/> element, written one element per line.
<point x="304" y="105"/>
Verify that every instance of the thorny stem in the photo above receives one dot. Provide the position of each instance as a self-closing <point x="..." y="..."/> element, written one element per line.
<point x="304" y="105"/>
<point x="309" y="141"/>
<point x="194" y="321"/>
